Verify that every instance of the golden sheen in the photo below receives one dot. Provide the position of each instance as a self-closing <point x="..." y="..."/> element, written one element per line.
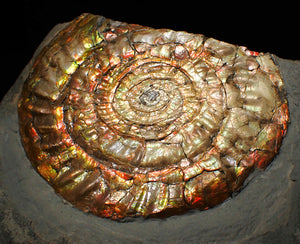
<point x="126" y="120"/>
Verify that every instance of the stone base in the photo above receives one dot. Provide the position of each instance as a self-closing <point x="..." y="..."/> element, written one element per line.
<point x="265" y="211"/>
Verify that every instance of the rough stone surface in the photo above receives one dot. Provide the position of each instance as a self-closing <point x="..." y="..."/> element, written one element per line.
<point x="266" y="211"/>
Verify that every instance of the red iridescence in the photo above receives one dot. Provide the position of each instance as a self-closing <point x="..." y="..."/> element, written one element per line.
<point x="125" y="120"/>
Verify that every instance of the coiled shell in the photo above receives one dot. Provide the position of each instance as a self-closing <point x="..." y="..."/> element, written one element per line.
<point x="125" y="120"/>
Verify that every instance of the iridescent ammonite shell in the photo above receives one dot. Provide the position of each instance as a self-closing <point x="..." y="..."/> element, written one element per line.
<point x="125" y="120"/>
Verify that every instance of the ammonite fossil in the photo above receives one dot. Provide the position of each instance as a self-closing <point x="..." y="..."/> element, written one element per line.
<point x="125" y="120"/>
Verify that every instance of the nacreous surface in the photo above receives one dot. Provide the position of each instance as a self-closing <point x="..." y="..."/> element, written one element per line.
<point x="125" y="120"/>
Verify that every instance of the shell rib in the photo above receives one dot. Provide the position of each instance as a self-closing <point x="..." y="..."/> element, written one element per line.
<point x="125" y="120"/>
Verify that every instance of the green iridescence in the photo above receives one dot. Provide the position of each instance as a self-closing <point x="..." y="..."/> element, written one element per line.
<point x="125" y="120"/>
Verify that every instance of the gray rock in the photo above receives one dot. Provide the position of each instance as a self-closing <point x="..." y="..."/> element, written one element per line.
<point x="265" y="211"/>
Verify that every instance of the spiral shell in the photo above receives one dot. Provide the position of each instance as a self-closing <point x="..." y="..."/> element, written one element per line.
<point x="125" y="120"/>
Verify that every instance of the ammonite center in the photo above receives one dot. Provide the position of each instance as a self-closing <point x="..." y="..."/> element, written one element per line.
<point x="125" y="120"/>
<point x="150" y="97"/>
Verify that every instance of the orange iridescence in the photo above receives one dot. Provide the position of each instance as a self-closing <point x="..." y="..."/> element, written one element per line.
<point x="125" y="120"/>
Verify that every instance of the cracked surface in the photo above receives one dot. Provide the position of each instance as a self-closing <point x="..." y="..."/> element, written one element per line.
<point x="125" y="120"/>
